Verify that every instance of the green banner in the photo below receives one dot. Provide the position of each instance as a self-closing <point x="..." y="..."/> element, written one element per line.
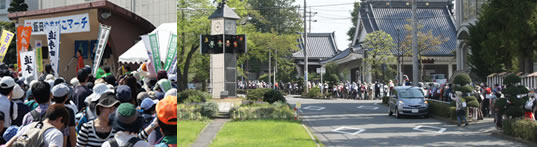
<point x="153" y="40"/>
<point x="39" y="55"/>
<point x="172" y="51"/>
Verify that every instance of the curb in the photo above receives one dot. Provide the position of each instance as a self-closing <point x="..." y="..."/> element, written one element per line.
<point x="202" y="131"/>
<point x="500" y="134"/>
<point x="311" y="135"/>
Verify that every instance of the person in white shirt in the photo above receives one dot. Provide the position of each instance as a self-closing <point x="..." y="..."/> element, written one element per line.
<point x="56" y="116"/>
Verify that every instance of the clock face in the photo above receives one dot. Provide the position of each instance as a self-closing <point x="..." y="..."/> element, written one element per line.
<point x="217" y="27"/>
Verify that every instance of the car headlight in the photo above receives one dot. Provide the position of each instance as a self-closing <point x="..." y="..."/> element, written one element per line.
<point x="401" y="103"/>
<point x="426" y="103"/>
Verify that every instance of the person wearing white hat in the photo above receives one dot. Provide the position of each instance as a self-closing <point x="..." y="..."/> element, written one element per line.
<point x="9" y="109"/>
<point x="16" y="97"/>
<point x="60" y="95"/>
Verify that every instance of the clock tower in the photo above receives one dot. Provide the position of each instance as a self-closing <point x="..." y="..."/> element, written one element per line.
<point x="223" y="75"/>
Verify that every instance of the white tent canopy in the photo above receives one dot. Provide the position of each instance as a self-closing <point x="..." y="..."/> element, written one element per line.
<point x="137" y="53"/>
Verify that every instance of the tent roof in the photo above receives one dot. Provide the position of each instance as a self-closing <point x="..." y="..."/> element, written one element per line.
<point x="137" y="53"/>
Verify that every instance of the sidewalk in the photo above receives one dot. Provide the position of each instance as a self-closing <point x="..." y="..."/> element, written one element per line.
<point x="209" y="133"/>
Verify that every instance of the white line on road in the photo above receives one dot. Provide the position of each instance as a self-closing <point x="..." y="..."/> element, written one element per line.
<point x="368" y="107"/>
<point x="317" y="108"/>
<point x="358" y="130"/>
<point x="440" y="130"/>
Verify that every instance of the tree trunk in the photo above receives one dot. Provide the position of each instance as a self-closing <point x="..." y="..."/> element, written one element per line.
<point x="184" y="81"/>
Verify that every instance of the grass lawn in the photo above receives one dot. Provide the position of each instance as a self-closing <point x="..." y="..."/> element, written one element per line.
<point x="188" y="131"/>
<point x="263" y="133"/>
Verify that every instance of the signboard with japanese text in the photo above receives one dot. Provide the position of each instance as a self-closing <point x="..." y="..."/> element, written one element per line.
<point x="5" y="40"/>
<point x="28" y="64"/>
<point x="23" y="41"/>
<point x="145" y="39"/>
<point x="172" y="52"/>
<point x="39" y="55"/>
<point x="53" y="39"/>
<point x="68" y="24"/>
<point x="104" y="32"/>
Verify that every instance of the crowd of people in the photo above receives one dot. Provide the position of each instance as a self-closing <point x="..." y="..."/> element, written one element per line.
<point x="342" y="89"/>
<point x="131" y="108"/>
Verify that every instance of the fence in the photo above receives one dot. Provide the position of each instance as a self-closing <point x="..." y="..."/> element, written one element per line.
<point x="527" y="80"/>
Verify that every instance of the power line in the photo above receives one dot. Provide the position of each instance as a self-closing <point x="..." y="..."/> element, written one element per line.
<point x="267" y="8"/>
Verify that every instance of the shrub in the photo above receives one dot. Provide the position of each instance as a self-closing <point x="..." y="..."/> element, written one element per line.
<point x="315" y="92"/>
<point x="462" y="79"/>
<point x="442" y="109"/>
<point x="523" y="128"/>
<point x="257" y="93"/>
<point x="209" y="109"/>
<point x="474" y="104"/>
<point x="273" y="96"/>
<point x="190" y="112"/>
<point x="385" y="100"/>
<point x="241" y="91"/>
<point x="193" y="96"/>
<point x="511" y="79"/>
<point x="276" y="111"/>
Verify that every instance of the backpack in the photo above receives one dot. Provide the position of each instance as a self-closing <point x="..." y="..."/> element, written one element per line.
<point x="36" y="115"/>
<point x="34" y="136"/>
<point x="130" y="143"/>
<point x="529" y="104"/>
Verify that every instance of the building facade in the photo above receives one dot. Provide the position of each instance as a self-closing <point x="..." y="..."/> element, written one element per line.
<point x="391" y="16"/>
<point x="155" y="11"/>
<point x="79" y="31"/>
<point x="466" y="14"/>
<point x="320" y="46"/>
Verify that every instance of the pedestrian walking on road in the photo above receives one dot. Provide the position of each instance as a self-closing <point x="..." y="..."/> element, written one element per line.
<point x="461" y="108"/>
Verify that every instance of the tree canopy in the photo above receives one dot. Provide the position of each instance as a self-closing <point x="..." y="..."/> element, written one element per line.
<point x="380" y="45"/>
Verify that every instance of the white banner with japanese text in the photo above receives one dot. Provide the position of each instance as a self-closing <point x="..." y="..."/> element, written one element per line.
<point x="53" y="40"/>
<point x="104" y="32"/>
<point x="28" y="64"/>
<point x="68" y="24"/>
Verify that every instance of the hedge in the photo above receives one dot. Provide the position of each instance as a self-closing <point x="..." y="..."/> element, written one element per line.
<point x="190" y="112"/>
<point x="523" y="128"/>
<point x="257" y="93"/>
<point x="276" y="111"/>
<point x="193" y="96"/>
<point x="442" y="110"/>
<point x="385" y="100"/>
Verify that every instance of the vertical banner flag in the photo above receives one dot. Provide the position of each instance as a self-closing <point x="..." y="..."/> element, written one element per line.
<point x="145" y="39"/>
<point x="28" y="64"/>
<point x="5" y="40"/>
<point x="39" y="55"/>
<point x="154" y="42"/>
<point x="53" y="38"/>
<point x="172" y="52"/>
<point x="104" y="32"/>
<point x="23" y="41"/>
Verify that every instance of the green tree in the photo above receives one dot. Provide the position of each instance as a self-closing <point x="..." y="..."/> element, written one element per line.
<point x="354" y="15"/>
<point x="278" y="15"/>
<point x="504" y="37"/>
<point x="331" y="75"/>
<point x="190" y="24"/>
<point x="17" y="6"/>
<point x="11" y="55"/>
<point x="426" y="42"/>
<point x="380" y="45"/>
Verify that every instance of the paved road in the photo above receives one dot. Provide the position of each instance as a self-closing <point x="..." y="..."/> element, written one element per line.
<point x="341" y="123"/>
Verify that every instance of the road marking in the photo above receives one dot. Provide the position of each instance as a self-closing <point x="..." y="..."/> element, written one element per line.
<point x="358" y="130"/>
<point x="368" y="107"/>
<point x="440" y="130"/>
<point x="317" y="108"/>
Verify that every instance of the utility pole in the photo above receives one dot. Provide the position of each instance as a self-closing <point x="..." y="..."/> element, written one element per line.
<point x="311" y="14"/>
<point x="275" y="67"/>
<point x="414" y="45"/>
<point x="305" y="52"/>
<point x="270" y="67"/>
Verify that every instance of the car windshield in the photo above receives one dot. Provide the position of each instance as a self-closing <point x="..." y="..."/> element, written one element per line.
<point x="411" y="94"/>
